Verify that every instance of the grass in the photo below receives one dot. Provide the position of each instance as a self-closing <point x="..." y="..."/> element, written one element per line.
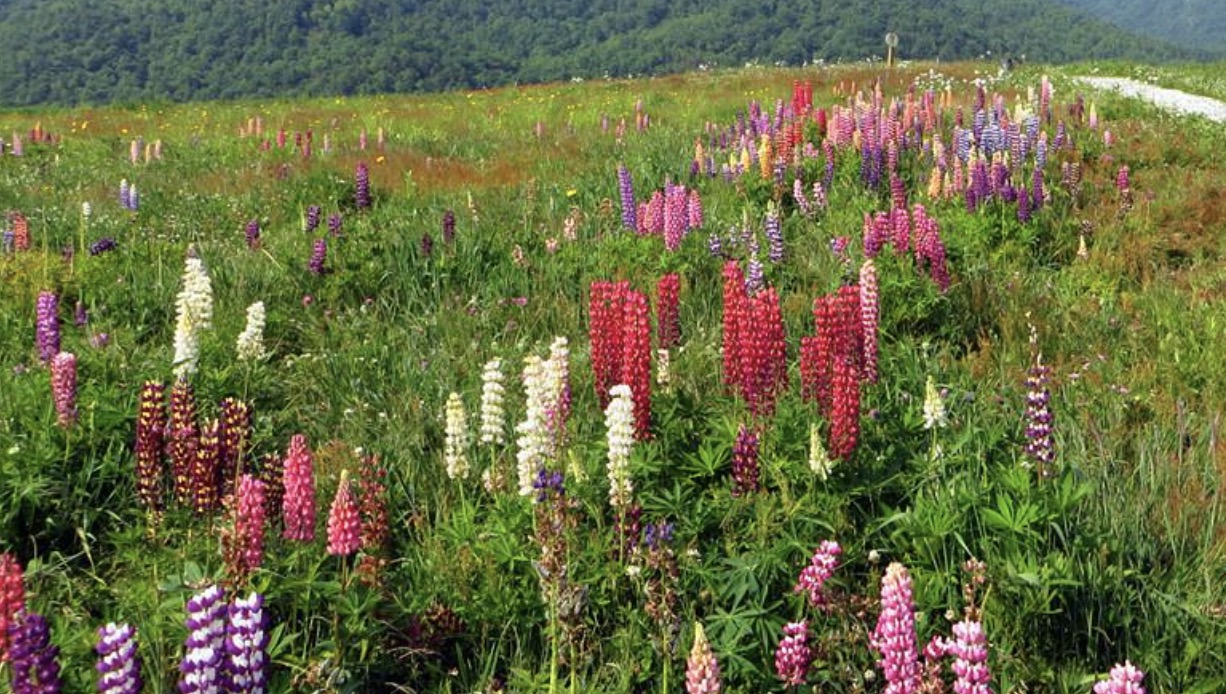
<point x="1119" y="556"/>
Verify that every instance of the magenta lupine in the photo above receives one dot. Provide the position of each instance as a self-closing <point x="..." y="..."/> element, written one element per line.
<point x="119" y="664"/>
<point x="12" y="599"/>
<point x="298" y="504"/>
<point x="1123" y="679"/>
<point x="970" y="650"/>
<point x="793" y="656"/>
<point x="361" y="184"/>
<point x="821" y="567"/>
<point x="675" y="217"/>
<point x="344" y="522"/>
<point x="335" y="222"/>
<point x="64" y="387"/>
<point x="246" y="646"/>
<point x="202" y="669"/>
<point x="32" y="656"/>
<point x="870" y="312"/>
<point x="1040" y="448"/>
<point x="929" y="249"/>
<point x="745" y="462"/>
<point x="47" y="326"/>
<point x="319" y="255"/>
<point x="311" y="223"/>
<point x="249" y="522"/>
<point x="701" y="668"/>
<point x="894" y="636"/>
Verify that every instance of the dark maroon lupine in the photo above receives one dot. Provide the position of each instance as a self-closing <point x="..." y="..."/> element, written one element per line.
<point x="150" y="429"/>
<point x="745" y="462"/>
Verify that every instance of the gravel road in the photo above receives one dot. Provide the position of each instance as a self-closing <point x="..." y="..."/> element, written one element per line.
<point x="1170" y="99"/>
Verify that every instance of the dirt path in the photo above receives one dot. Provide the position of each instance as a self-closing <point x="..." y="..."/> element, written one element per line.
<point x="1170" y="99"/>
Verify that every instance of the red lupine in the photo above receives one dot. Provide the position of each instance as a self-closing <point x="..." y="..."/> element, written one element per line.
<point x="735" y="310"/>
<point x="298" y="504"/>
<point x="21" y="232"/>
<point x="605" y="308"/>
<point x="636" y="362"/>
<point x="150" y="430"/>
<point x="929" y="250"/>
<point x="12" y="599"/>
<point x="243" y="544"/>
<point x="845" y="373"/>
<point x="182" y="437"/>
<point x="667" y="318"/>
<point x="344" y="521"/>
<point x="817" y="358"/>
<point x="745" y="470"/>
<point x="763" y="352"/>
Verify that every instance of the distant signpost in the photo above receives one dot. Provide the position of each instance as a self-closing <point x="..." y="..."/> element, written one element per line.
<point x="891" y="42"/>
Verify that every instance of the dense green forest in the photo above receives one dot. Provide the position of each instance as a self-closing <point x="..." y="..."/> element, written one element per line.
<point x="80" y="51"/>
<point x="1198" y="24"/>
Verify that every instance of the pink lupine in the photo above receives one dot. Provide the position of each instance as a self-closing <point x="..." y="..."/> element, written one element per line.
<point x="1123" y="679"/>
<point x="701" y="668"/>
<point x="821" y="566"/>
<point x="894" y="636"/>
<point x="870" y="312"/>
<point x="298" y="505"/>
<point x="344" y="521"/>
<point x="793" y="656"/>
<point x="64" y="387"/>
<point x="970" y="650"/>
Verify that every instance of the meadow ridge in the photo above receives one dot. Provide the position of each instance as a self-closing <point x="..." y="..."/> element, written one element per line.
<point x="841" y="378"/>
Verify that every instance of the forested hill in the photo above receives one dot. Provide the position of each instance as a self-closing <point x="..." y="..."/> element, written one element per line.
<point x="74" y="51"/>
<point x="1192" y="23"/>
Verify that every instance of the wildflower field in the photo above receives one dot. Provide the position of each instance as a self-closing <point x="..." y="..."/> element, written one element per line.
<point x="837" y="379"/>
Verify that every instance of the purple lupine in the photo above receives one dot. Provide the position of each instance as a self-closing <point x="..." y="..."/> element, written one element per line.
<point x="361" y="185"/>
<point x="319" y="255"/>
<point x="312" y="218"/>
<point x="102" y="245"/>
<point x="1123" y="679"/>
<point x="754" y="279"/>
<point x="252" y="233"/>
<point x="929" y="249"/>
<point x="548" y="484"/>
<point x="1023" y="205"/>
<point x="334" y="224"/>
<point x="1036" y="189"/>
<point x="793" y="656"/>
<point x="894" y="636"/>
<point x="119" y="664"/>
<point x="625" y="188"/>
<point x="802" y="200"/>
<point x="745" y="462"/>
<point x="80" y="316"/>
<point x="821" y="566"/>
<point x="35" y="669"/>
<point x="774" y="235"/>
<point x="47" y="326"/>
<point x="448" y="227"/>
<point x="715" y="245"/>
<point x="246" y="644"/>
<point x="970" y="650"/>
<point x="202" y="668"/>
<point x="1040" y="449"/>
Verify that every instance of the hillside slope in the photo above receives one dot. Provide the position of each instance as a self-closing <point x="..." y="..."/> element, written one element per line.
<point x="72" y="51"/>
<point x="1199" y="24"/>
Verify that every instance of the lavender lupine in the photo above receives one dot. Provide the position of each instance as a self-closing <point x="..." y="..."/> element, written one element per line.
<point x="793" y="656"/>
<point x="1040" y="448"/>
<point x="202" y="668"/>
<point x="311" y="223"/>
<point x="47" y="326"/>
<point x="970" y="650"/>
<point x="246" y="644"/>
<point x="33" y="658"/>
<point x="821" y="567"/>
<point x="119" y="664"/>
<point x="774" y="235"/>
<point x="1123" y="679"/>
<point x="625" y="187"/>
<point x="894" y="636"/>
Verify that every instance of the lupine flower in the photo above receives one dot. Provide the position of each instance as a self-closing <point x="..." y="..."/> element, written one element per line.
<point x="344" y="521"/>
<point x="802" y="200"/>
<point x="249" y="521"/>
<point x="12" y="600"/>
<point x="250" y="344"/>
<point x="970" y="648"/>
<point x="793" y="656"/>
<point x="934" y="407"/>
<point x="21" y="232"/>
<point x="184" y="437"/>
<point x="869" y="318"/>
<point x="311" y="223"/>
<point x="694" y="212"/>
<point x="1040" y="448"/>
<point x="773" y="226"/>
<point x="1123" y="679"/>
<point x="701" y="668"/>
<point x="745" y="462"/>
<point x="619" y="420"/>
<point x="125" y="194"/>
<point x="636" y="359"/>
<point x="667" y="319"/>
<point x="448" y="226"/>
<point x="754" y="275"/>
<point x="493" y="416"/>
<point x="206" y="469"/>
<point x="298" y="505"/>
<point x="606" y="313"/>
<point x="894" y="636"/>
<point x="119" y="663"/>
<point x="102" y="245"/>
<point x="427" y="245"/>
<point x="202" y="669"/>
<point x="821" y="567"/>
<point x="35" y="669"/>
<point x="64" y="387"/>
<point x="372" y="505"/>
<point x="335" y="221"/>
<point x="533" y="441"/>
<point x="47" y="326"/>
<point x="194" y="313"/>
<point x="455" y="445"/>
<point x="361" y="185"/>
<point x="319" y="255"/>
<point x="663" y="373"/>
<point x="819" y="460"/>
<point x="246" y="644"/>
<point x="252" y="234"/>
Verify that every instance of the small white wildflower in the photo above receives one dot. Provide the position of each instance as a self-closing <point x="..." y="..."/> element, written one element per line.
<point x="934" y="407"/>
<point x="619" y="418"/>
<point x="455" y="443"/>
<point x="663" y="375"/>
<point x="819" y="461"/>
<point x="250" y="344"/>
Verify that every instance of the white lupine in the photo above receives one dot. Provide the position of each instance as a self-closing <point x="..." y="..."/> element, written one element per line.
<point x="934" y="407"/>
<point x="556" y="393"/>
<point x="455" y="443"/>
<point x="493" y="416"/>
<point x="194" y="313"/>
<point x="619" y="419"/>
<point x="533" y="438"/>
<point x="819" y="461"/>
<point x="663" y="374"/>
<point x="250" y="345"/>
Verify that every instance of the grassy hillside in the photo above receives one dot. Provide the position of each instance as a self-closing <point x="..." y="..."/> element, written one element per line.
<point x="1045" y="395"/>
<point x="1197" y="24"/>
<point x="76" y="51"/>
